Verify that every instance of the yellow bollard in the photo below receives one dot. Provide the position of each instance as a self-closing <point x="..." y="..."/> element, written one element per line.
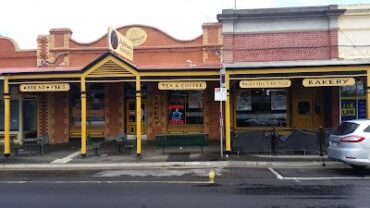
<point x="212" y="175"/>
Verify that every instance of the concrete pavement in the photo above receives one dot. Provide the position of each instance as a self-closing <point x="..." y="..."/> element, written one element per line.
<point x="68" y="157"/>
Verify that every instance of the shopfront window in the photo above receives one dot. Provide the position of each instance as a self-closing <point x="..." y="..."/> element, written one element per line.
<point x="255" y="108"/>
<point x="30" y="118"/>
<point x="185" y="107"/>
<point x="353" y="100"/>
<point x="14" y="115"/>
<point x="95" y="105"/>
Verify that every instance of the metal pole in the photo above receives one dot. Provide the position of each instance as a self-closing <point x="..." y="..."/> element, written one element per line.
<point x="221" y="125"/>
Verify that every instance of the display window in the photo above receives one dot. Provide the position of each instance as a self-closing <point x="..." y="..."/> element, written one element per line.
<point x="261" y="107"/>
<point x="30" y="117"/>
<point x="95" y="105"/>
<point x="185" y="107"/>
<point x="14" y="115"/>
<point x="353" y="100"/>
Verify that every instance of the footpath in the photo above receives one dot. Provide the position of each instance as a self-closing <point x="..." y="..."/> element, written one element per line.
<point x="68" y="157"/>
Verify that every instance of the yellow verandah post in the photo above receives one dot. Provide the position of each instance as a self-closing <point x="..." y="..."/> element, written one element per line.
<point x="6" y="118"/>
<point x="138" y="116"/>
<point x="83" y="117"/>
<point x="227" y="114"/>
<point x="368" y="94"/>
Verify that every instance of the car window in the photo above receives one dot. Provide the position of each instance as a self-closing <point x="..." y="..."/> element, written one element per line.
<point x="346" y="128"/>
<point x="367" y="129"/>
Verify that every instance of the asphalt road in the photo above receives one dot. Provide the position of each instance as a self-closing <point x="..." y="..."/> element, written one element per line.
<point x="175" y="187"/>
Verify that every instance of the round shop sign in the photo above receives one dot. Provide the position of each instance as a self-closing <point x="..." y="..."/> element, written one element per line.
<point x="137" y="35"/>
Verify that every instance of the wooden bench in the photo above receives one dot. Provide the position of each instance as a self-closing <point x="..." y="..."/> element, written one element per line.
<point x="120" y="143"/>
<point x="181" y="140"/>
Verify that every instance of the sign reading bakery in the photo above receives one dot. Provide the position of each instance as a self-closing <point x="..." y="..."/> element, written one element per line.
<point x="120" y="44"/>
<point x="50" y="87"/>
<point x="276" y="83"/>
<point x="329" y="82"/>
<point x="182" y="85"/>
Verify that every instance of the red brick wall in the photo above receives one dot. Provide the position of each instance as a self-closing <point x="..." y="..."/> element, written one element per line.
<point x="213" y="126"/>
<point x="332" y="107"/>
<point x="281" y="46"/>
<point x="159" y="48"/>
<point x="334" y="51"/>
<point x="113" y="109"/>
<point x="11" y="57"/>
<point x="59" y="118"/>
<point x="157" y="111"/>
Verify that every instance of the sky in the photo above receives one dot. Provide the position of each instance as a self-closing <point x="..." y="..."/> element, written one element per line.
<point x="24" y="20"/>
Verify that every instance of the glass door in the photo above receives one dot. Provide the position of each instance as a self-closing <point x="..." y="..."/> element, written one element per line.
<point x="131" y="116"/>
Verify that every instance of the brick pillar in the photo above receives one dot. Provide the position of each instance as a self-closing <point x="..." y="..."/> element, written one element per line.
<point x="42" y="50"/>
<point x="157" y="111"/>
<point x="333" y="41"/>
<point x="212" y="113"/>
<point x="114" y="118"/>
<point x="332" y="107"/>
<point x="212" y="35"/>
<point x="228" y="54"/>
<point x="59" y="117"/>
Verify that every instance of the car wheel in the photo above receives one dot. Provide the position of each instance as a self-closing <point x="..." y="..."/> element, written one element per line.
<point x="358" y="167"/>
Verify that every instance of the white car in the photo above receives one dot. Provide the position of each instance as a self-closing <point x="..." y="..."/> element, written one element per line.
<point x="350" y="143"/>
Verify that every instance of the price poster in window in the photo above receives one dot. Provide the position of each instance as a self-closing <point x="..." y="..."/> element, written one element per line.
<point x="278" y="100"/>
<point x="195" y="100"/>
<point x="244" y="101"/>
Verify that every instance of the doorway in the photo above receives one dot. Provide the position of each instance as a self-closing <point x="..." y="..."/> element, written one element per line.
<point x="131" y="117"/>
<point x="308" y="107"/>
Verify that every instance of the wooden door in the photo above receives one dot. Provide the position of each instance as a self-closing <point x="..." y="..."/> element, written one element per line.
<point x="308" y="107"/>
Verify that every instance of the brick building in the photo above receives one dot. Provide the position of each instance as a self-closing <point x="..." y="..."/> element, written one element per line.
<point x="286" y="68"/>
<point x="111" y="84"/>
<point x="288" y="64"/>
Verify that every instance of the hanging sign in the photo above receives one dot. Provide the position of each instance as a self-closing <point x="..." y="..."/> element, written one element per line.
<point x="328" y="82"/>
<point x="273" y="83"/>
<point x="182" y="85"/>
<point x="50" y="87"/>
<point x="120" y="44"/>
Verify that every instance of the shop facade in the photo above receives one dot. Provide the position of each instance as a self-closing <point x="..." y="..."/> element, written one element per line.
<point x="171" y="80"/>
<point x="286" y="69"/>
<point x="295" y="68"/>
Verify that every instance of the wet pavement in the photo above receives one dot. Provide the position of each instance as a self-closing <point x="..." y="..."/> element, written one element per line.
<point x="186" y="187"/>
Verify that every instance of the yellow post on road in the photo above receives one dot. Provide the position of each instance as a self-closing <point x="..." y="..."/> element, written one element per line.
<point x="83" y="117"/>
<point x="138" y="116"/>
<point x="6" y="118"/>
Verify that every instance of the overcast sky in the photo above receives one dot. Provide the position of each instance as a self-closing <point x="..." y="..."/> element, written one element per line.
<point x="23" y="20"/>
